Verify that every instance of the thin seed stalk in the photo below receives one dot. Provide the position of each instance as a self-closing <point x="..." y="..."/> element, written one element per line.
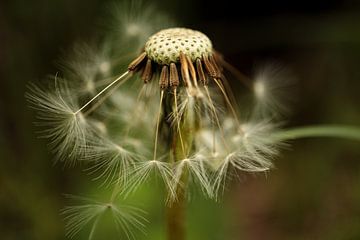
<point x="183" y="136"/>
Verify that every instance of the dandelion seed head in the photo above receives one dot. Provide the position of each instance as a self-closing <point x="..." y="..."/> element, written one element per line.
<point x="165" y="46"/>
<point x="182" y="58"/>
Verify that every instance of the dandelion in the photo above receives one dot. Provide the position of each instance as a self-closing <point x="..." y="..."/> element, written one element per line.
<point x="171" y="114"/>
<point x="177" y="105"/>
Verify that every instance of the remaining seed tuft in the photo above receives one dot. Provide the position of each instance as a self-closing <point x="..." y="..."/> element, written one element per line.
<point x="179" y="49"/>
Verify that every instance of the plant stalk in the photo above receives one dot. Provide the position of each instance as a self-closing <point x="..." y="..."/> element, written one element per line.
<point x="176" y="210"/>
<point x="338" y="131"/>
<point x="176" y="217"/>
<point x="182" y="135"/>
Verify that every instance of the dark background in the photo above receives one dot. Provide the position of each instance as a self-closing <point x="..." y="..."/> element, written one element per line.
<point x="314" y="192"/>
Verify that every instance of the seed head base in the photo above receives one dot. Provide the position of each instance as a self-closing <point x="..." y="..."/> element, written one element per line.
<point x="178" y="50"/>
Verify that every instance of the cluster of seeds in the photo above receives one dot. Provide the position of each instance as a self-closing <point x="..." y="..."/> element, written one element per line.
<point x="178" y="50"/>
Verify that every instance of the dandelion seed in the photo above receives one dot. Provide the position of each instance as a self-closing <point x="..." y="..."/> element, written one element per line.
<point x="135" y="21"/>
<point x="196" y="168"/>
<point x="84" y="65"/>
<point x="237" y="161"/>
<point x="253" y="136"/>
<point x="89" y="212"/>
<point x="111" y="161"/>
<point x="66" y="130"/>
<point x="251" y="150"/>
<point x="273" y="92"/>
<point x="143" y="170"/>
<point x="104" y="67"/>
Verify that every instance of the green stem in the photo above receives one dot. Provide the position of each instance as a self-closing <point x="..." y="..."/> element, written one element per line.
<point x="176" y="217"/>
<point x="338" y="131"/>
<point x="176" y="211"/>
<point x="181" y="147"/>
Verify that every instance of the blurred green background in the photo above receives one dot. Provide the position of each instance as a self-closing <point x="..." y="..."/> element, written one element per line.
<point x="314" y="192"/>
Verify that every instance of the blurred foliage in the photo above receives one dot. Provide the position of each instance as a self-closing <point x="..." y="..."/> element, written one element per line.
<point x="314" y="192"/>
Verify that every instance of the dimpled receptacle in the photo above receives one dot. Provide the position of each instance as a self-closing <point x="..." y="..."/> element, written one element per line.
<point x="165" y="46"/>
